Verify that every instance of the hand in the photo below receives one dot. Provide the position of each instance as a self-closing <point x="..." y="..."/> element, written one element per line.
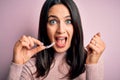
<point x="25" y="48"/>
<point x="95" y="49"/>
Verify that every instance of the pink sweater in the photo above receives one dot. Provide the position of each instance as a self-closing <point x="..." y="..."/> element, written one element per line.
<point x="26" y="71"/>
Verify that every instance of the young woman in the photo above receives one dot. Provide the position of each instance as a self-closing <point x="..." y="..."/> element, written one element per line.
<point x="67" y="59"/>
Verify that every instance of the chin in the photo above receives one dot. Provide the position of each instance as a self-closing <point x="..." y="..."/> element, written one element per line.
<point x="60" y="50"/>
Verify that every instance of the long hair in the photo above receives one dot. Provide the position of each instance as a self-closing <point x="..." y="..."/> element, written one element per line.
<point x="76" y="54"/>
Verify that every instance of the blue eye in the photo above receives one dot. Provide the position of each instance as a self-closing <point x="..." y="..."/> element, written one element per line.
<point x="68" y="21"/>
<point x="52" y="22"/>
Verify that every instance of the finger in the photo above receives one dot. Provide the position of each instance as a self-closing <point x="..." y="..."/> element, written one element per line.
<point x="37" y="42"/>
<point x="24" y="38"/>
<point x="93" y="47"/>
<point x="97" y="41"/>
<point x="31" y="43"/>
<point x="96" y="37"/>
<point x="99" y="44"/>
<point x="37" y="49"/>
<point x="24" y="44"/>
<point x="98" y="34"/>
<point x="93" y="42"/>
<point x="89" y="50"/>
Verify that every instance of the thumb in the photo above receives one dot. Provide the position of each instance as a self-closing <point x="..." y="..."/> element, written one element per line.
<point x="88" y="49"/>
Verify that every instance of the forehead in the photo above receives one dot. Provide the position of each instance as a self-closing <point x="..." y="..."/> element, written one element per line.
<point x="59" y="10"/>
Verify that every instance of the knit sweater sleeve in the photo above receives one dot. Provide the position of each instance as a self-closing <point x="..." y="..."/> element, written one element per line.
<point x="93" y="71"/>
<point x="15" y="71"/>
<point x="22" y="72"/>
<point x="26" y="71"/>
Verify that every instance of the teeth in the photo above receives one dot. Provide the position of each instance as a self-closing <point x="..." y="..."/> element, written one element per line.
<point x="60" y="38"/>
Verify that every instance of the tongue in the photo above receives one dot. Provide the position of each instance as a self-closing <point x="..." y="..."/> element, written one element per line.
<point x="60" y="43"/>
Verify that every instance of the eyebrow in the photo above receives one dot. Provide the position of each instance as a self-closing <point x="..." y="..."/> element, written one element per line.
<point x="57" y="17"/>
<point x="52" y="16"/>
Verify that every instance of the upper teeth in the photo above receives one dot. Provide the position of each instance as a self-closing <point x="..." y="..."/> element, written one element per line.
<point x="61" y="38"/>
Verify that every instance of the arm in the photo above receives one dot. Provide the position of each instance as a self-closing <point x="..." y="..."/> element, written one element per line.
<point x="94" y="66"/>
<point x="23" y="72"/>
<point x="95" y="71"/>
<point x="24" y="49"/>
<point x="15" y="71"/>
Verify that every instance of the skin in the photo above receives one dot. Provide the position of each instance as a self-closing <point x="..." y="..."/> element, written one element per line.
<point x="24" y="49"/>
<point x="95" y="49"/>
<point x="58" y="26"/>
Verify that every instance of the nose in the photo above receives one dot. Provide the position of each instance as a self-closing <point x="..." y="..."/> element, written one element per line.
<point x="61" y="28"/>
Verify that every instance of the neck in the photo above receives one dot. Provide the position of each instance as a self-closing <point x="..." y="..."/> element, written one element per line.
<point x="60" y="56"/>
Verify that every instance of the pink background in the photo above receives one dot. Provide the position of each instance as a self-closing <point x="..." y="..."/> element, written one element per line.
<point x="21" y="17"/>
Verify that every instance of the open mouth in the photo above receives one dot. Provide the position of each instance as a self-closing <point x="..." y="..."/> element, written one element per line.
<point x="61" y="41"/>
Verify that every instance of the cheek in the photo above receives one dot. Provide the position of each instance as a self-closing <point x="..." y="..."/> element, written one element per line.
<point x="70" y="31"/>
<point x="50" y="32"/>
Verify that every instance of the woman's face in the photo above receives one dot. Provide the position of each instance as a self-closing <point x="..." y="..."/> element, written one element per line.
<point x="59" y="27"/>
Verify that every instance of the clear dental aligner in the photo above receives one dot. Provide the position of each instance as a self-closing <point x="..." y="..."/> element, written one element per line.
<point x="50" y="45"/>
